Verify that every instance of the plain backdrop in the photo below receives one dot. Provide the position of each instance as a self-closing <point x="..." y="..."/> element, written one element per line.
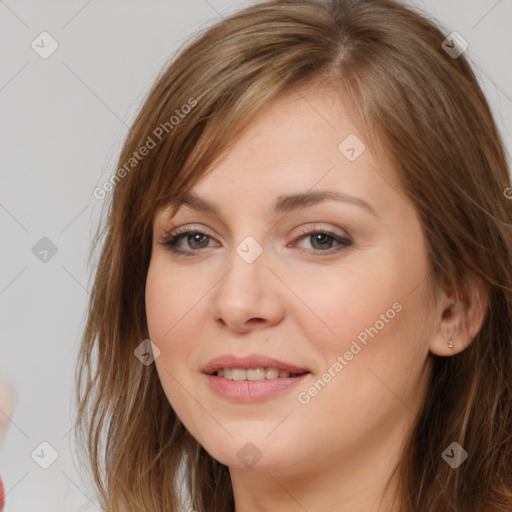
<point x="62" y="123"/>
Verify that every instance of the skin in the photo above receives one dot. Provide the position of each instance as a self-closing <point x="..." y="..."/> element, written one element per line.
<point x="298" y="304"/>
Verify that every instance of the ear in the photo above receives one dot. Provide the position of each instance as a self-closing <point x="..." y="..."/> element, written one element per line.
<point x="460" y="315"/>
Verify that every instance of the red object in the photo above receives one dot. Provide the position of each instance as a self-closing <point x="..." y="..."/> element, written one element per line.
<point x="2" y="495"/>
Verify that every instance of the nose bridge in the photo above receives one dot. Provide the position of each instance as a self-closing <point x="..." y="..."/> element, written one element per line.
<point x="247" y="269"/>
<point x="247" y="289"/>
<point x="249" y="250"/>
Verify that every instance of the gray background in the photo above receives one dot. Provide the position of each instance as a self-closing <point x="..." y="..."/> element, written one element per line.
<point x="63" y="120"/>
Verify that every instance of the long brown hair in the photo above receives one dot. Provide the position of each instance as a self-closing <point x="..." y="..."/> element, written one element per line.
<point x="420" y="106"/>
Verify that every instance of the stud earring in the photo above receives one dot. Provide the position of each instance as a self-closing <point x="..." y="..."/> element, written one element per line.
<point x="450" y="344"/>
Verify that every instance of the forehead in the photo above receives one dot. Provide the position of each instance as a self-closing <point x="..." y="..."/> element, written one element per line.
<point x="299" y="147"/>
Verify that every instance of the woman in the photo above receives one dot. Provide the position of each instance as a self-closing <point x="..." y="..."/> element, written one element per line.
<point x="304" y="295"/>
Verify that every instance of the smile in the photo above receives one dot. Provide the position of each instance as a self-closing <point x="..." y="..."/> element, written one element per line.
<point x="252" y="391"/>
<point x="251" y="378"/>
<point x="254" y="374"/>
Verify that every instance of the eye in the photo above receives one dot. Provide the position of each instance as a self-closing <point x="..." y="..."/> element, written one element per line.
<point x="321" y="241"/>
<point x="196" y="239"/>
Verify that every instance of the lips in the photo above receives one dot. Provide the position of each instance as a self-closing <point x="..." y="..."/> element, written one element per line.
<point x="240" y="386"/>
<point x="251" y="361"/>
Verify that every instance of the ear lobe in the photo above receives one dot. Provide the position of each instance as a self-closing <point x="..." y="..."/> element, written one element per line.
<point x="461" y="315"/>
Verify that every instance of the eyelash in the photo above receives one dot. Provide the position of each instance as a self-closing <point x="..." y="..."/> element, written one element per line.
<point x="170" y="240"/>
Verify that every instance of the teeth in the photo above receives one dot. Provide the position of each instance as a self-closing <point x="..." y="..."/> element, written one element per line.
<point x="271" y="373"/>
<point x="239" y="374"/>
<point x="253" y="373"/>
<point x="256" y="374"/>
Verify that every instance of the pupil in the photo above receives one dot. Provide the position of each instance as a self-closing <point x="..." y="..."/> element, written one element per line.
<point x="321" y="238"/>
<point x="196" y="238"/>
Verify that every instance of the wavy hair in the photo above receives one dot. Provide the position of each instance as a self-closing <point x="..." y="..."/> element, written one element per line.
<point x="418" y="105"/>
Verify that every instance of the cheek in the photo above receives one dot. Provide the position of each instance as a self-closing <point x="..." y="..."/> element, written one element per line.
<point x="374" y="318"/>
<point x="169" y="297"/>
<point x="168" y="312"/>
<point x="173" y="305"/>
<point x="336" y="309"/>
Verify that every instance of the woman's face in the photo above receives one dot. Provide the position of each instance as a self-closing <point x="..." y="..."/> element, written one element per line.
<point x="347" y="305"/>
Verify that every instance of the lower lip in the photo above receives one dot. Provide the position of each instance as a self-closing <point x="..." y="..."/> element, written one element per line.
<point x="252" y="390"/>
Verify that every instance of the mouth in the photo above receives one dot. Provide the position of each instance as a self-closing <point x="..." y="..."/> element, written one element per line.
<point x="251" y="378"/>
<point x="255" y="374"/>
<point x="252" y="367"/>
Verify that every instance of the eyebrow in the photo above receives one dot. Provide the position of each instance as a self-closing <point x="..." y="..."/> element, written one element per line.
<point x="283" y="204"/>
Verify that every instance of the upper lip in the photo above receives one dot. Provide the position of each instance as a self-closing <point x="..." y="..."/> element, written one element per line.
<point x="251" y="361"/>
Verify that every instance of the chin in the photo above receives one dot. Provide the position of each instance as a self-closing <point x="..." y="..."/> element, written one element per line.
<point x="254" y="452"/>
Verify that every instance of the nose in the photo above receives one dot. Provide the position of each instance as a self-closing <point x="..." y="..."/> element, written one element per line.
<point x="248" y="295"/>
